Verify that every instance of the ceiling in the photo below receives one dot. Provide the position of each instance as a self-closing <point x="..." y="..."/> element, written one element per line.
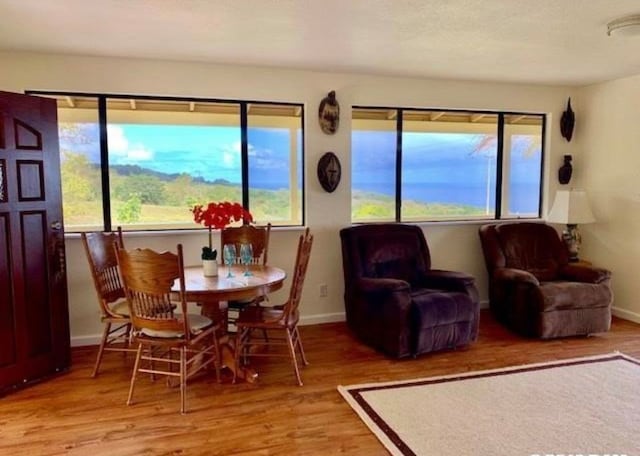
<point x="559" y="42"/>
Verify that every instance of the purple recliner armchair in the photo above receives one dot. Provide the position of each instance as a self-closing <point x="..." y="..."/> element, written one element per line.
<point x="534" y="289"/>
<point x="395" y="302"/>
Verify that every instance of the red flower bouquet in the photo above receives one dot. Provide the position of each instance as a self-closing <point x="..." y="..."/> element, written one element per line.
<point x="218" y="216"/>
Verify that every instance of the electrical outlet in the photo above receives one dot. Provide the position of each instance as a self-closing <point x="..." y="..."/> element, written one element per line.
<point x="324" y="290"/>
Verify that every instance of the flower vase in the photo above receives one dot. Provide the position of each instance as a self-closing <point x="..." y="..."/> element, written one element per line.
<point x="210" y="268"/>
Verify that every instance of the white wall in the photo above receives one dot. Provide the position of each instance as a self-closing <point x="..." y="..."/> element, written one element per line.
<point x="608" y="137"/>
<point x="453" y="246"/>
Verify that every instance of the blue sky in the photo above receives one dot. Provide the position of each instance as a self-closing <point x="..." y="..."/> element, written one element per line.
<point x="435" y="157"/>
<point x="212" y="152"/>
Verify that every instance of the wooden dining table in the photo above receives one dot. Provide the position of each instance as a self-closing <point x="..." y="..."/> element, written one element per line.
<point x="213" y="293"/>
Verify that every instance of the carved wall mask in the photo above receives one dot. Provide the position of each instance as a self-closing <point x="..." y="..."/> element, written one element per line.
<point x="329" y="171"/>
<point x="329" y="113"/>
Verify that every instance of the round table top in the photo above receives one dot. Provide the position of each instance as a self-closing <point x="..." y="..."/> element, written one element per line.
<point x="263" y="280"/>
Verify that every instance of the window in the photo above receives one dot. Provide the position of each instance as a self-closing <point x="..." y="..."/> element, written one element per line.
<point x="79" y="134"/>
<point x="412" y="165"/>
<point x="373" y="158"/>
<point x="143" y="162"/>
<point x="275" y="163"/>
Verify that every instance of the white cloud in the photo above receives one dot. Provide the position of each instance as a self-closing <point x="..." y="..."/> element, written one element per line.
<point x="230" y="159"/>
<point x="120" y="148"/>
<point x="118" y="143"/>
<point x="229" y="156"/>
<point x="237" y="148"/>
<point x="139" y="154"/>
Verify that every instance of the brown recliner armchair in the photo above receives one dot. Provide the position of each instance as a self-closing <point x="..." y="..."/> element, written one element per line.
<point x="395" y="302"/>
<point x="535" y="290"/>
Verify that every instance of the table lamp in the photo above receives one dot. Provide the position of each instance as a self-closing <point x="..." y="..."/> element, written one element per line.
<point x="571" y="207"/>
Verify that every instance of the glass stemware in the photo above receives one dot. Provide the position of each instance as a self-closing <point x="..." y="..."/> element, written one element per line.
<point x="229" y="251"/>
<point x="246" y="256"/>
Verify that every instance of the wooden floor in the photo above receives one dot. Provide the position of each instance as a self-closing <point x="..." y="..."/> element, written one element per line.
<point x="74" y="414"/>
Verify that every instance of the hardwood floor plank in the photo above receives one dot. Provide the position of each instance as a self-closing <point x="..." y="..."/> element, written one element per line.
<point x="74" y="414"/>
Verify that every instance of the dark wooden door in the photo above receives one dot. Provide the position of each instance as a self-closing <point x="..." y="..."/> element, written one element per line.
<point x="34" y="317"/>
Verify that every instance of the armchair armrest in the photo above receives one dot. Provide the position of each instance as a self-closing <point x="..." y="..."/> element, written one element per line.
<point x="381" y="302"/>
<point x="450" y="281"/>
<point x="374" y="285"/>
<point x="586" y="274"/>
<point x="515" y="275"/>
<point x="438" y="278"/>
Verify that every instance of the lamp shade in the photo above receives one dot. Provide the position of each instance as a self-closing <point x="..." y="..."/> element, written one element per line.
<point x="571" y="207"/>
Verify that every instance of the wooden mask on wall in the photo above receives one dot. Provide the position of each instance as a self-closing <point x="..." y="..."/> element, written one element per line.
<point x="329" y="113"/>
<point x="567" y="122"/>
<point x="329" y="171"/>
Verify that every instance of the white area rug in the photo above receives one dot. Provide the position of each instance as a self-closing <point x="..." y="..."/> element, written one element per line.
<point x="584" y="406"/>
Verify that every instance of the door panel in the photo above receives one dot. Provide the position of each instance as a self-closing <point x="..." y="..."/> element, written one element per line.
<point x="34" y="321"/>
<point x="3" y="181"/>
<point x="36" y="296"/>
<point x="7" y="333"/>
<point x="2" y="132"/>
<point x="30" y="180"/>
<point x="26" y="136"/>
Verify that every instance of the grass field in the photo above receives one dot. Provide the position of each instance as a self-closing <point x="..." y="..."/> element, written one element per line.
<point x="267" y="205"/>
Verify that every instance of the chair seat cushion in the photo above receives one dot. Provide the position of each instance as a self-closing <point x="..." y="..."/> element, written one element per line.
<point x="265" y="317"/>
<point x="573" y="295"/>
<point x="417" y="292"/>
<point x="196" y="323"/>
<point x="437" y="308"/>
<point x="121" y="308"/>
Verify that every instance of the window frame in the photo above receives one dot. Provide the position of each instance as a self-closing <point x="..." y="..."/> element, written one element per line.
<point x="500" y="163"/>
<point x="244" y="107"/>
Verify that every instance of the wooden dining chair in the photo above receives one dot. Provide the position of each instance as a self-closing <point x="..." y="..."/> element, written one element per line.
<point x="165" y="338"/>
<point x="258" y="237"/>
<point x="283" y="318"/>
<point x="114" y="311"/>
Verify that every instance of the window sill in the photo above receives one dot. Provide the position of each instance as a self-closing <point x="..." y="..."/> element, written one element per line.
<point x="457" y="222"/>
<point x="185" y="232"/>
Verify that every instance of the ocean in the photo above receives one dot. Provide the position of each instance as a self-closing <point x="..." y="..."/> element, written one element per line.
<point x="523" y="197"/>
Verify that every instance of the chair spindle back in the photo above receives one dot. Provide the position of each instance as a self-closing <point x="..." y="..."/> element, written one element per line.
<point x="257" y="236"/>
<point x="99" y="248"/>
<point x="148" y="277"/>
<point x="300" y="270"/>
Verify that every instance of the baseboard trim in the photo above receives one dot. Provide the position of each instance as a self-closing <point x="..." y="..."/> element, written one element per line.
<point x="626" y="314"/>
<point x="83" y="341"/>
<point x="322" y="318"/>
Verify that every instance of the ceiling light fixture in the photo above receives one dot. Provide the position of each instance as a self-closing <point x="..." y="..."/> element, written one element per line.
<point x="627" y="26"/>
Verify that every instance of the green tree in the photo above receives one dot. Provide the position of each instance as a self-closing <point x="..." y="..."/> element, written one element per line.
<point x="79" y="178"/>
<point x="130" y="211"/>
<point x="149" y="189"/>
<point x="180" y="191"/>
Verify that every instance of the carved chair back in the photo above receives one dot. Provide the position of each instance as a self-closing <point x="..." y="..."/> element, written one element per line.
<point x="257" y="236"/>
<point x="148" y="277"/>
<point x="99" y="248"/>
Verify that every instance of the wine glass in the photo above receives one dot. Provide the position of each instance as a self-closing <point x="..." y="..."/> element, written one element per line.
<point x="246" y="256"/>
<point x="229" y="257"/>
